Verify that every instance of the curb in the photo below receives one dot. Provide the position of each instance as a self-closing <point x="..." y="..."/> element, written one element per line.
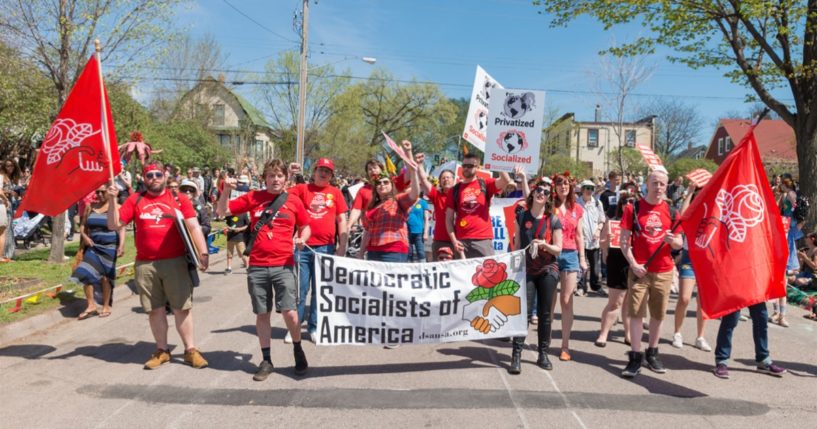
<point x="20" y="329"/>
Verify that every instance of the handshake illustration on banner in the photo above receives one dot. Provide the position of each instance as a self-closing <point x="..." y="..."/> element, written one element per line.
<point x="492" y="301"/>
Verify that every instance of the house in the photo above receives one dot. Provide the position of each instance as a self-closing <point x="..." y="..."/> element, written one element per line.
<point x="595" y="143"/>
<point x="235" y="122"/>
<point x="775" y="141"/>
<point x="692" y="152"/>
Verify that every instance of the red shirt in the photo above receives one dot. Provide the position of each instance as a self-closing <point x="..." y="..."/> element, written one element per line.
<point x="473" y="219"/>
<point x="364" y="194"/>
<point x="439" y="200"/>
<point x="570" y="220"/>
<point x="386" y="225"/>
<point x="323" y="205"/>
<point x="653" y="223"/>
<point x="273" y="245"/>
<point x="156" y="234"/>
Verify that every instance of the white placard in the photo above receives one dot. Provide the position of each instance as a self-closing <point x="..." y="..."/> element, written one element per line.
<point x="476" y="123"/>
<point x="515" y="121"/>
<point x="368" y="303"/>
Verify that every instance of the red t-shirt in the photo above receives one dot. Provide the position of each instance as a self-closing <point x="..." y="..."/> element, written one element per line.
<point x="273" y="245"/>
<point x="323" y="205"/>
<point x="654" y="221"/>
<point x="156" y="234"/>
<point x="570" y="220"/>
<point x="473" y="219"/>
<point x="439" y="200"/>
<point x="364" y="194"/>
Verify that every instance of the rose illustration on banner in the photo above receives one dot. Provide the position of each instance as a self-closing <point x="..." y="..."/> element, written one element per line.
<point x="493" y="300"/>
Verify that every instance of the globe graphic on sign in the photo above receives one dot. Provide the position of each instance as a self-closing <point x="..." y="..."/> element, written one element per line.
<point x="517" y="105"/>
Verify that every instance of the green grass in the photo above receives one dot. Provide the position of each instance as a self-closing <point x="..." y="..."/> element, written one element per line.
<point x="31" y="272"/>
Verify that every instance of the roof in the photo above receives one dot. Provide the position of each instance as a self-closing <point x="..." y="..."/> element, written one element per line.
<point x="691" y="152"/>
<point x="775" y="138"/>
<point x="253" y="114"/>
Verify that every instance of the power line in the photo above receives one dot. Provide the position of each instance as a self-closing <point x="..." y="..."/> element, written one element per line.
<point x="258" y="23"/>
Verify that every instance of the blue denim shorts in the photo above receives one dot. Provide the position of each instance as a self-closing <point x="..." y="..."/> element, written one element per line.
<point x="569" y="261"/>
<point x="685" y="266"/>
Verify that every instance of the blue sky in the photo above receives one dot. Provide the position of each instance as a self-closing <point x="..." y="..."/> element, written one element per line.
<point x="442" y="41"/>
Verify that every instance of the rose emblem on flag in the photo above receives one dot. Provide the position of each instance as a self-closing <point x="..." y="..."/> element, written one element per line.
<point x="493" y="300"/>
<point x="737" y="211"/>
<point x="63" y="136"/>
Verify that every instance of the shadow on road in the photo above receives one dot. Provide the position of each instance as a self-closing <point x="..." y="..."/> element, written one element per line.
<point x="28" y="351"/>
<point x="797" y="369"/>
<point x="277" y="332"/>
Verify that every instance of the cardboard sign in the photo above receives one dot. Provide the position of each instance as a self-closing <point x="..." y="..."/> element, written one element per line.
<point x="476" y="122"/>
<point x="515" y="122"/>
<point x="699" y="177"/>
<point x="615" y="234"/>
<point x="651" y="159"/>
<point x="786" y="225"/>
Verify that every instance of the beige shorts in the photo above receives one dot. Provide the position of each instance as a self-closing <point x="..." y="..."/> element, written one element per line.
<point x="651" y="290"/>
<point x="232" y="246"/>
<point x="164" y="281"/>
<point x="4" y="218"/>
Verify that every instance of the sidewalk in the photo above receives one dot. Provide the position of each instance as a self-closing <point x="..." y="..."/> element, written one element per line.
<point x="89" y="374"/>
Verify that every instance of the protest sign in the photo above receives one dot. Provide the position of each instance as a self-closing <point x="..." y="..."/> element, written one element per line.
<point x="651" y="159"/>
<point x="399" y="151"/>
<point x="476" y="122"/>
<point x="514" y="135"/>
<point x="699" y="177"/>
<point x="615" y="234"/>
<point x="368" y="303"/>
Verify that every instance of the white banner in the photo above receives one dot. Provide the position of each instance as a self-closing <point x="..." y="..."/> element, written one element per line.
<point x="366" y="302"/>
<point x="515" y="122"/>
<point x="476" y="123"/>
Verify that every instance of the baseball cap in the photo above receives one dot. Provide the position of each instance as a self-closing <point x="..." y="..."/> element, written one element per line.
<point x="187" y="183"/>
<point x="327" y="163"/>
<point x="445" y="251"/>
<point x="243" y="179"/>
<point x="196" y="170"/>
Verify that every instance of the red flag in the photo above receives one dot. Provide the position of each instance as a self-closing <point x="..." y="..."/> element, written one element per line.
<point x="735" y="235"/>
<point x="72" y="160"/>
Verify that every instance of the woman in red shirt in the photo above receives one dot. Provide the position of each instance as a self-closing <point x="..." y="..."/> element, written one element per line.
<point x="385" y="235"/>
<point x="572" y="260"/>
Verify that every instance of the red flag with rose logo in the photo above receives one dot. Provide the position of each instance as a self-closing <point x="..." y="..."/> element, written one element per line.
<point x="72" y="160"/>
<point x="735" y="235"/>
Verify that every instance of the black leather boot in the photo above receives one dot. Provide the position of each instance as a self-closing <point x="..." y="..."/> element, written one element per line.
<point x="542" y="361"/>
<point x="516" y="356"/>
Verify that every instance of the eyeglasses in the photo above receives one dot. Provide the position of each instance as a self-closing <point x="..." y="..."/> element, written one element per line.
<point x="469" y="166"/>
<point x="154" y="175"/>
<point x="542" y="191"/>
<point x="188" y="191"/>
<point x="173" y="186"/>
<point x="383" y="182"/>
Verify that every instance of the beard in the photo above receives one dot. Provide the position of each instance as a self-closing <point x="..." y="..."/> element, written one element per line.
<point x="156" y="187"/>
<point x="469" y="173"/>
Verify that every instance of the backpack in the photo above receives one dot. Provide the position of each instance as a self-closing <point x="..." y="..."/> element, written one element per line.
<point x="482" y="187"/>
<point x="801" y="207"/>
<point x="637" y="227"/>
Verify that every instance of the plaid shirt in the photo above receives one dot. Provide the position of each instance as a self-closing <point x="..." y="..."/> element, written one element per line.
<point x="386" y="223"/>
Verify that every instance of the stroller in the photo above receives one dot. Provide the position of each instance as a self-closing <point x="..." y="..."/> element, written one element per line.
<point x="28" y="229"/>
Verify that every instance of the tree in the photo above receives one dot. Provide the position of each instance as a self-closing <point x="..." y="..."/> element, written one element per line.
<point x="677" y="125"/>
<point x="58" y="36"/>
<point x="616" y="78"/>
<point x="281" y="99"/>
<point x="770" y="47"/>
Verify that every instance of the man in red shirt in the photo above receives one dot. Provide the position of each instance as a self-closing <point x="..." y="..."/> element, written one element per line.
<point x="468" y="219"/>
<point x="439" y="199"/>
<point x="161" y="267"/>
<point x="649" y="222"/>
<point x="327" y="215"/>
<point x="272" y="257"/>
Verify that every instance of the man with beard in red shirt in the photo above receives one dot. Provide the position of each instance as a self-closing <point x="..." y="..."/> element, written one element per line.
<point x="439" y="199"/>
<point x="161" y="267"/>
<point x="271" y="257"/>
<point x="468" y="219"/>
<point x="327" y="214"/>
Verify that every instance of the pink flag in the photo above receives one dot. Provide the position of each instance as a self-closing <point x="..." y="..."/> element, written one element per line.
<point x="650" y="158"/>
<point x="399" y="151"/>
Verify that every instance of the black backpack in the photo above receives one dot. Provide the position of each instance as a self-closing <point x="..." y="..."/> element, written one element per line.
<point x="801" y="206"/>
<point x="637" y="227"/>
<point x="482" y="187"/>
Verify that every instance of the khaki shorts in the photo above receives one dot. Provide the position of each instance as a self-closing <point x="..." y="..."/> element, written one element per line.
<point x="651" y="290"/>
<point x="232" y="246"/>
<point x="164" y="281"/>
<point x="266" y="283"/>
<point x="477" y="248"/>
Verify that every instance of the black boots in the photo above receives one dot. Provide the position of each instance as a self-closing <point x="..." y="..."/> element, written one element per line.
<point x="516" y="356"/>
<point x="634" y="365"/>
<point x="653" y="362"/>
<point x="542" y="361"/>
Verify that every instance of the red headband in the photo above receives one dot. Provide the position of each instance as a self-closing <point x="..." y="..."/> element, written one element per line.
<point x="150" y="167"/>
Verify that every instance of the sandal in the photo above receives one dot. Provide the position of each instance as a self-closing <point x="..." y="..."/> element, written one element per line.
<point x="86" y="314"/>
<point x="104" y="314"/>
<point x="811" y="316"/>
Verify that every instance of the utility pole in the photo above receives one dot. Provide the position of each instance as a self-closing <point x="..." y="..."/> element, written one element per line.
<point x="299" y="148"/>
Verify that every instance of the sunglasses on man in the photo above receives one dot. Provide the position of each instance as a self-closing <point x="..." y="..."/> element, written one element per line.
<point x="154" y="175"/>
<point x="469" y="166"/>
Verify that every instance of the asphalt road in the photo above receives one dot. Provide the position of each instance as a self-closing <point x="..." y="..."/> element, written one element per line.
<point x="89" y="374"/>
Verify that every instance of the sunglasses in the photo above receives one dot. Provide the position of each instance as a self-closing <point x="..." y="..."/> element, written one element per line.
<point x="188" y="191"/>
<point x="154" y="175"/>
<point x="469" y="166"/>
<point x="542" y="191"/>
<point x="383" y="182"/>
<point x="588" y="188"/>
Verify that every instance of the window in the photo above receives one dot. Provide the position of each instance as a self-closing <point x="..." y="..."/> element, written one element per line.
<point x="224" y="139"/>
<point x="218" y="114"/>
<point x="629" y="138"/>
<point x="720" y="146"/>
<point x="727" y="144"/>
<point x="592" y="137"/>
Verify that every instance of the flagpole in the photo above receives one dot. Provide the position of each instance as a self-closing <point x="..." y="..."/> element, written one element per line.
<point x="105" y="138"/>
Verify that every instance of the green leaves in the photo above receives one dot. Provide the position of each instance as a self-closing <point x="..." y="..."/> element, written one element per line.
<point x="507" y="287"/>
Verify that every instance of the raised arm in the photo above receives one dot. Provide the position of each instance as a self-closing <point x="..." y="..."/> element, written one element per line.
<point x="425" y="184"/>
<point x="222" y="208"/>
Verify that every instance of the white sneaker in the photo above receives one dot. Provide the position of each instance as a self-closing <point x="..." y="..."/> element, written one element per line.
<point x="678" y="340"/>
<point x="288" y="338"/>
<point x="701" y="343"/>
<point x="313" y="336"/>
